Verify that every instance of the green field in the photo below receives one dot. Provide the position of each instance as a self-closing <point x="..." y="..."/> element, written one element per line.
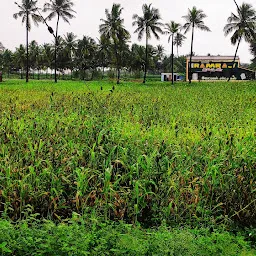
<point x="149" y="156"/>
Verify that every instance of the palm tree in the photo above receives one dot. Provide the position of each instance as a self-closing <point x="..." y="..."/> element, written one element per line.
<point x="104" y="53"/>
<point x="33" y="55"/>
<point x="147" y="24"/>
<point x="160" y="51"/>
<point x="194" y="19"/>
<point x="113" y="29"/>
<point x="27" y="11"/>
<point x="61" y="9"/>
<point x="70" y="43"/>
<point x="178" y="41"/>
<point x="137" y="59"/>
<point x="47" y="57"/>
<point x="85" y="55"/>
<point x="7" y="58"/>
<point x="1" y="48"/>
<point x="20" y="59"/>
<point x="172" y="29"/>
<point x="240" y="25"/>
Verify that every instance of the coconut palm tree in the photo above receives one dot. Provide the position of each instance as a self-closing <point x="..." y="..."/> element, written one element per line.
<point x="47" y="57"/>
<point x="70" y="44"/>
<point x="160" y="51"/>
<point x="7" y="58"/>
<point x="20" y="59"/>
<point x="27" y="12"/>
<point x="1" y="47"/>
<point x="33" y="56"/>
<point x="194" y="19"/>
<point x="172" y="29"/>
<point x="113" y="29"/>
<point x="60" y="9"/>
<point x="137" y="59"/>
<point x="178" y="41"/>
<point x="240" y="25"/>
<point x="104" y="53"/>
<point x="85" y="55"/>
<point x="149" y="23"/>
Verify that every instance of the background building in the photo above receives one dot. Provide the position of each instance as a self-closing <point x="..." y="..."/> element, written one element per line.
<point x="168" y="77"/>
<point x="217" y="68"/>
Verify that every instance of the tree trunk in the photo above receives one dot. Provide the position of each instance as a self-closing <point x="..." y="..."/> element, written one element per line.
<point x="146" y="59"/>
<point x="55" y="52"/>
<point x="191" y="53"/>
<point x="38" y="74"/>
<point x="177" y="51"/>
<point x="172" y="61"/>
<point x="231" y="71"/>
<point x="27" y="69"/>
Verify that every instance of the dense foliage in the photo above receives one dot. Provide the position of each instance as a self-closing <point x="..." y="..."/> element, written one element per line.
<point x="86" y="59"/>
<point x="75" y="237"/>
<point x="133" y="153"/>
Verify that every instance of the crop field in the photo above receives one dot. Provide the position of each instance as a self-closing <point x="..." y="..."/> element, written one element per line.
<point x="144" y="155"/>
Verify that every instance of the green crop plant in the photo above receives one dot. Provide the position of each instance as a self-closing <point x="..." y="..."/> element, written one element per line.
<point x="183" y="154"/>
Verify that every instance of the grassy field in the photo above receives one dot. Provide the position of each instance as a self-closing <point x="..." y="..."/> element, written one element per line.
<point x="148" y="155"/>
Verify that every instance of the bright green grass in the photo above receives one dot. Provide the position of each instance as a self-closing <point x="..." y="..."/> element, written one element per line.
<point x="148" y="154"/>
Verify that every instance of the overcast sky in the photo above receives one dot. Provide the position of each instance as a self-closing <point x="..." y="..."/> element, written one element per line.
<point x="89" y="13"/>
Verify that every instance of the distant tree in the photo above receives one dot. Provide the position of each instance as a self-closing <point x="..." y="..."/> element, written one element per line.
<point x="178" y="62"/>
<point x="85" y="55"/>
<point x="172" y="29"/>
<point x="1" y="55"/>
<point x="253" y="52"/>
<point x="1" y="48"/>
<point x="152" y="58"/>
<point x="47" y="56"/>
<point x="34" y="52"/>
<point x="104" y="53"/>
<point x="70" y="45"/>
<point x="241" y="25"/>
<point x="113" y="29"/>
<point x="27" y="12"/>
<point x="60" y="9"/>
<point x="7" y="59"/>
<point x="159" y="57"/>
<point x="146" y="24"/>
<point x="62" y="55"/>
<point x="159" y="51"/>
<point x="137" y="59"/>
<point x="20" y="59"/>
<point x="178" y="41"/>
<point x="194" y="19"/>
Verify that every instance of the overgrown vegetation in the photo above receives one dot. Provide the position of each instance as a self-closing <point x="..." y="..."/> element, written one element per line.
<point x="140" y="154"/>
<point x="77" y="238"/>
<point x="135" y="153"/>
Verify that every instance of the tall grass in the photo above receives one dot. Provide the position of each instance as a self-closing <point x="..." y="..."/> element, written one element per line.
<point x="148" y="154"/>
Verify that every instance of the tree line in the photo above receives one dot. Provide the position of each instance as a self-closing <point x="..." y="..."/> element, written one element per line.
<point x="86" y="59"/>
<point x="112" y="50"/>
